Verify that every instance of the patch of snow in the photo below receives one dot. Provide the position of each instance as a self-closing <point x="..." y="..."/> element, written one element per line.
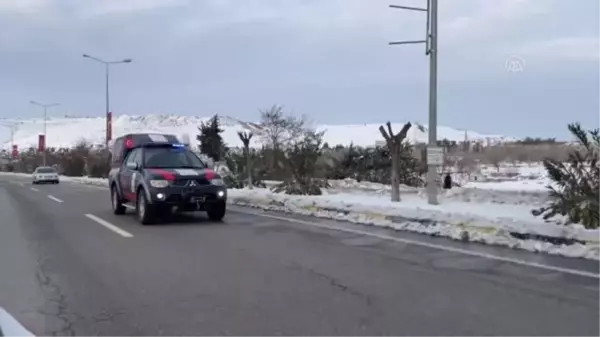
<point x="482" y="222"/>
<point x="513" y="186"/>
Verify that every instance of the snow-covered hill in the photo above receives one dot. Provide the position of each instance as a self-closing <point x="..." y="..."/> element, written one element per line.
<point x="67" y="131"/>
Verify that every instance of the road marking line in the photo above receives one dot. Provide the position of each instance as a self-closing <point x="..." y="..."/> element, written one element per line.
<point x="110" y="226"/>
<point x="54" y="198"/>
<point x="11" y="326"/>
<point x="436" y="246"/>
<point x="34" y="189"/>
<point x="129" y="206"/>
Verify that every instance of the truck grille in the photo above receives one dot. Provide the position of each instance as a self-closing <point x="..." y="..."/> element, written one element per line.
<point x="188" y="182"/>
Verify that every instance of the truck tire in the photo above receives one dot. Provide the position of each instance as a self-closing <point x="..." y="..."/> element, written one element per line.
<point x="143" y="210"/>
<point x="216" y="211"/>
<point x="116" y="202"/>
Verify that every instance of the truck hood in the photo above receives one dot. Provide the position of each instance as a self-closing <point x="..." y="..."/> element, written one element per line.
<point x="175" y="174"/>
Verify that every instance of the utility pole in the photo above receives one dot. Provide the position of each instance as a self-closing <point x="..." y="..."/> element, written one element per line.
<point x="45" y="107"/>
<point x="435" y="155"/>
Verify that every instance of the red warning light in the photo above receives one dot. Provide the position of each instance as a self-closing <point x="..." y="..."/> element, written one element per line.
<point x="210" y="174"/>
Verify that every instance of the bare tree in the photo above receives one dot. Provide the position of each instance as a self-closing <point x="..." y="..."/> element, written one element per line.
<point x="277" y="130"/>
<point x="245" y="137"/>
<point x="278" y="133"/>
<point x="466" y="165"/>
<point x="394" y="145"/>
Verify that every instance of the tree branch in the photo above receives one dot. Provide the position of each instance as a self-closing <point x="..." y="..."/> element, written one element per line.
<point x="389" y="126"/>
<point x="402" y="134"/>
<point x="384" y="134"/>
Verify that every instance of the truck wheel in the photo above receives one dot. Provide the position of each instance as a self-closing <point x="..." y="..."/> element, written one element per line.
<point x="216" y="211"/>
<point x="143" y="210"/>
<point x="117" y="203"/>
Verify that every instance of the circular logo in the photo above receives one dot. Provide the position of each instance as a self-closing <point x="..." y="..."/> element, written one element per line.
<point x="514" y="64"/>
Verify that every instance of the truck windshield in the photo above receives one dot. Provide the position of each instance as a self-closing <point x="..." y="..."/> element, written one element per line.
<point x="171" y="157"/>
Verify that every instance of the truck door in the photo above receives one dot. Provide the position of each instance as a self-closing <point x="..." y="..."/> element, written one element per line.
<point x="128" y="176"/>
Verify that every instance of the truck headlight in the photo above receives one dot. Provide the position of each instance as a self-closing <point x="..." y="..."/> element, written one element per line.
<point x="159" y="183"/>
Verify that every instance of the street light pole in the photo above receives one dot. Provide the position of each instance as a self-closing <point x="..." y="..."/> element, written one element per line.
<point x="434" y="155"/>
<point x="45" y="107"/>
<point x="13" y="126"/>
<point x="107" y="99"/>
<point x="107" y="67"/>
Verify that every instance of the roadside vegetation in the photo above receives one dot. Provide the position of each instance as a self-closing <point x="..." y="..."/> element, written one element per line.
<point x="294" y="153"/>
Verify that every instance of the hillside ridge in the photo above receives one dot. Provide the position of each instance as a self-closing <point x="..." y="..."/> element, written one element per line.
<point x="68" y="131"/>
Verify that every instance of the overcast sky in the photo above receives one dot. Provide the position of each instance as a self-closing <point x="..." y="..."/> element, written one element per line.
<point x="328" y="59"/>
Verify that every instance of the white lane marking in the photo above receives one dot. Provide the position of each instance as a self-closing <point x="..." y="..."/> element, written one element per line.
<point x="11" y="327"/>
<point x="436" y="246"/>
<point x="110" y="226"/>
<point x="129" y="206"/>
<point x="34" y="189"/>
<point x="54" y="198"/>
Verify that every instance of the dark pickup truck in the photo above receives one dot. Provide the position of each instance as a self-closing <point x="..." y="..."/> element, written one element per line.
<point x="155" y="174"/>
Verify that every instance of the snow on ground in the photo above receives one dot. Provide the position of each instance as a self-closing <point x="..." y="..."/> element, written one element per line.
<point x="483" y="221"/>
<point x="517" y="185"/>
<point x="476" y="213"/>
<point x="67" y="131"/>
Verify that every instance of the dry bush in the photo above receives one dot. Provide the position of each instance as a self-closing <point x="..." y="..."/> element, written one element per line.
<point x="466" y="164"/>
<point x="98" y="163"/>
<point x="494" y="155"/>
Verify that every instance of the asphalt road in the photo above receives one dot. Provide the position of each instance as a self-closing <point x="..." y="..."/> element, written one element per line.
<point x="68" y="266"/>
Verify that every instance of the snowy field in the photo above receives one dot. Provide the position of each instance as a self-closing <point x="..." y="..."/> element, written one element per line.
<point x="488" y="212"/>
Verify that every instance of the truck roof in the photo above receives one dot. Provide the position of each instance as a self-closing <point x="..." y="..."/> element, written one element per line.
<point x="133" y="140"/>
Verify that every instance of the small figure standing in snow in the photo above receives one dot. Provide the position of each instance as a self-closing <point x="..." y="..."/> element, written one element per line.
<point x="447" y="181"/>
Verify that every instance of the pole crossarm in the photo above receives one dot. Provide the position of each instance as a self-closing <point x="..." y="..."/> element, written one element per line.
<point x="44" y="105"/>
<point x="97" y="59"/>
<point x="410" y="8"/>
<point x="407" y="42"/>
<point x="427" y="39"/>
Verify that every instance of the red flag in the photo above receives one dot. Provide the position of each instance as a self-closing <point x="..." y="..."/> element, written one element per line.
<point x="41" y="143"/>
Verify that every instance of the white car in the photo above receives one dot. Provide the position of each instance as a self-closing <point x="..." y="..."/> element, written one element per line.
<point x="45" y="174"/>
